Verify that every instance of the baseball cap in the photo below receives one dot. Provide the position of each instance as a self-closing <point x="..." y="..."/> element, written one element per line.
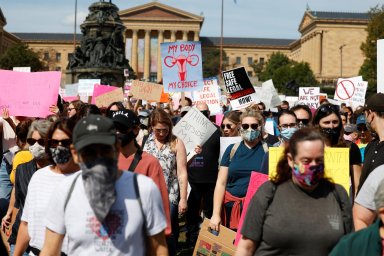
<point x="94" y="129"/>
<point x="360" y="119"/>
<point x="125" y="118"/>
<point x="350" y="128"/>
<point x="375" y="103"/>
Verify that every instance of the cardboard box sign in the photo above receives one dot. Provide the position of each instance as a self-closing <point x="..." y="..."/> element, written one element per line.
<point x="209" y="244"/>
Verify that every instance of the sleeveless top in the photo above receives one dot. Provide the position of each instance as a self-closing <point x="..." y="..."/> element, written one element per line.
<point x="167" y="159"/>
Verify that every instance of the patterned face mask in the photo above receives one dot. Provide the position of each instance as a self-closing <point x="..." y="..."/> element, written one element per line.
<point x="60" y="154"/>
<point x="308" y="175"/>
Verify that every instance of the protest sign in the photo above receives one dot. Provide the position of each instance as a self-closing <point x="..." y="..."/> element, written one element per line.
<point x="164" y="98"/>
<point x="29" y="94"/>
<point x="71" y="90"/>
<point x="269" y="127"/>
<point x="309" y="96"/>
<point x="146" y="91"/>
<point x="268" y="95"/>
<point x="257" y="179"/>
<point x="85" y="88"/>
<point x="219" y="119"/>
<point x="380" y="66"/>
<point x="336" y="162"/>
<point x="182" y="66"/>
<point x="22" y="69"/>
<point x="107" y="98"/>
<point x="100" y="89"/>
<point x="226" y="141"/>
<point x="193" y="129"/>
<point x="210" y="94"/>
<point x="240" y="88"/>
<point x="351" y="91"/>
<point x="292" y="100"/>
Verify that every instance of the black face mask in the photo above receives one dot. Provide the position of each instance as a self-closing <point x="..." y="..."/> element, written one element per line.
<point x="205" y="113"/>
<point x="125" y="139"/>
<point x="332" y="134"/>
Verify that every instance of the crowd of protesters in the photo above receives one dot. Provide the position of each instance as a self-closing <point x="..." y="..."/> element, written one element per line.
<point x="114" y="181"/>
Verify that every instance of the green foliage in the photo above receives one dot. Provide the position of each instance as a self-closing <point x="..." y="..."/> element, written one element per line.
<point x="211" y="62"/>
<point x="375" y="30"/>
<point x="282" y="70"/>
<point x="21" y="56"/>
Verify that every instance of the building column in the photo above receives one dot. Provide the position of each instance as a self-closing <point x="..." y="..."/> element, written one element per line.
<point x="185" y="35"/>
<point x="173" y="36"/>
<point x="320" y="52"/>
<point x="134" y="56"/>
<point x="159" y="62"/>
<point x="196" y="36"/>
<point x="147" y="55"/>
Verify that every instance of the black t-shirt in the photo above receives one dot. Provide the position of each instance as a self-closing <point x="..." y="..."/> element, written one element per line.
<point x="354" y="154"/>
<point x="204" y="167"/>
<point x="373" y="157"/>
<point x="296" y="222"/>
<point x="271" y="139"/>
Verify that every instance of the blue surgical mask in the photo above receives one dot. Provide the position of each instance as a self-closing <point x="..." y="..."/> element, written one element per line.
<point x="250" y="134"/>
<point x="286" y="134"/>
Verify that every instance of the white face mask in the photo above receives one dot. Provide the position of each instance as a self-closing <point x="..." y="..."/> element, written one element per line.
<point x="37" y="151"/>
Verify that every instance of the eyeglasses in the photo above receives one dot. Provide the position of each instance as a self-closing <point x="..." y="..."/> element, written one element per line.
<point x="304" y="121"/>
<point x="70" y="109"/>
<point x="32" y="141"/>
<point x="65" y="143"/>
<point x="246" y="126"/>
<point x="158" y="131"/>
<point x="329" y="108"/>
<point x="285" y="126"/>
<point x="228" y="126"/>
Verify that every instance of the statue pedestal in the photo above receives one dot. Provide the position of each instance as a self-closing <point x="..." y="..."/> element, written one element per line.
<point x="114" y="77"/>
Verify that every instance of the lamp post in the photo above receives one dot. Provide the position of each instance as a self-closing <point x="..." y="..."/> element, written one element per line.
<point x="74" y="29"/>
<point x="341" y="59"/>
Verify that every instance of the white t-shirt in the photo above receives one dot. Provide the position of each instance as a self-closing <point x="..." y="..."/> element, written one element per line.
<point x="121" y="232"/>
<point x="366" y="195"/>
<point x="43" y="183"/>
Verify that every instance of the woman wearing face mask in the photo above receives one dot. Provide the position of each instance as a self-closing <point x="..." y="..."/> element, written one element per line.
<point x="36" y="141"/>
<point x="230" y="126"/>
<point x="237" y="163"/>
<point x="327" y="120"/>
<point x="42" y="185"/>
<point x="297" y="212"/>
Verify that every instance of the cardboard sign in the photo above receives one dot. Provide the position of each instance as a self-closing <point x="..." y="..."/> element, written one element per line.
<point x="182" y="68"/>
<point x="351" y="91"/>
<point x="86" y="86"/>
<point x="100" y="89"/>
<point x="257" y="179"/>
<point x="210" y="94"/>
<point x="29" y="94"/>
<point x="146" y="91"/>
<point x="240" y="88"/>
<point x="226" y="141"/>
<point x="210" y="244"/>
<point x="107" y="98"/>
<point x="309" y="96"/>
<point x="193" y="129"/>
<point x="336" y="161"/>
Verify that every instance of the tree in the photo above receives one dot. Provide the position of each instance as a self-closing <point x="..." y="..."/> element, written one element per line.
<point x="211" y="62"/>
<point x="20" y="55"/>
<point x="375" y="30"/>
<point x="287" y="75"/>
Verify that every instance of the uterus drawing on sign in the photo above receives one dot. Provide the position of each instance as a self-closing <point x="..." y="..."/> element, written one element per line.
<point x="182" y="61"/>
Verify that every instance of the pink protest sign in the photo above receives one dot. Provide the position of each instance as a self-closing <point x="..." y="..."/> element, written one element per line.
<point x="100" y="89"/>
<point x="29" y="94"/>
<point x="219" y="119"/>
<point x="257" y="179"/>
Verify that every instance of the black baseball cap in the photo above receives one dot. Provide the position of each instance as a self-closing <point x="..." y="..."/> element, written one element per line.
<point x="125" y="118"/>
<point x="375" y="103"/>
<point x="94" y="129"/>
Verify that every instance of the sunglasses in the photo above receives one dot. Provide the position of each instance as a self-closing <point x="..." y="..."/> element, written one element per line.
<point x="160" y="130"/>
<point x="303" y="121"/>
<point x="65" y="143"/>
<point x="329" y="108"/>
<point x="228" y="126"/>
<point x="286" y="126"/>
<point x="246" y="126"/>
<point x="32" y="141"/>
<point x="362" y="129"/>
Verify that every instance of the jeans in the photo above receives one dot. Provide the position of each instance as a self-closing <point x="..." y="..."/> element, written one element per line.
<point x="13" y="251"/>
<point x="5" y="183"/>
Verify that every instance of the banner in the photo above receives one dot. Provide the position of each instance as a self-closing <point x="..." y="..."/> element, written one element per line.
<point x="182" y="66"/>
<point x="193" y="129"/>
<point x="211" y="95"/>
<point x="310" y="96"/>
<point x="351" y="91"/>
<point x="104" y="100"/>
<point x="336" y="162"/>
<point x="29" y="94"/>
<point x="240" y="88"/>
<point x="146" y="91"/>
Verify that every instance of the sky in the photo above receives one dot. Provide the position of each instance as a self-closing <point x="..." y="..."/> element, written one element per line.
<point x="242" y="18"/>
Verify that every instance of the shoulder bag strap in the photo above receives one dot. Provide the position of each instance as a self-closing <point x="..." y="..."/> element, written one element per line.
<point x="136" y="160"/>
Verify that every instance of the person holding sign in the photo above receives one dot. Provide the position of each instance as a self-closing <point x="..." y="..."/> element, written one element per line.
<point x="237" y="163"/>
<point x="327" y="119"/>
<point x="297" y="212"/>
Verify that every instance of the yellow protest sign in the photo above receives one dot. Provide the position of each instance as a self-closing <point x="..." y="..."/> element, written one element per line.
<point x="336" y="161"/>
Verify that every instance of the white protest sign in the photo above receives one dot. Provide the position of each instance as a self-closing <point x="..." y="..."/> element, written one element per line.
<point x="292" y="100"/>
<point x="71" y="90"/>
<point x="351" y="91"/>
<point x="193" y="129"/>
<point x="86" y="86"/>
<point x="268" y="95"/>
<point x="210" y="95"/>
<point x="225" y="142"/>
<point x="380" y="66"/>
<point x="269" y="127"/>
<point x="309" y="96"/>
<point x="22" y="69"/>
